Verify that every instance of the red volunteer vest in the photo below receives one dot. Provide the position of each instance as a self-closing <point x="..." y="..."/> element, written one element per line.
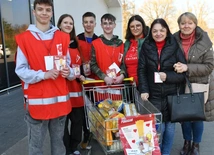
<point x="47" y="99"/>
<point x="85" y="52"/>
<point x="75" y="88"/>
<point x="107" y="55"/>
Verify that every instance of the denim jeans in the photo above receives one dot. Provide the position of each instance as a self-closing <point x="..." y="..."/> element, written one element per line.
<point x="37" y="130"/>
<point x="193" y="131"/>
<point x="168" y="131"/>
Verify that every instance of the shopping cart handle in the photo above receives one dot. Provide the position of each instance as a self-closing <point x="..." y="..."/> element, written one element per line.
<point x="99" y="81"/>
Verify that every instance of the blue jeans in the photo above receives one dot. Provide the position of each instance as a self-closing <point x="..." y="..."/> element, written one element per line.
<point x="193" y="131"/>
<point x="37" y="130"/>
<point x="168" y="131"/>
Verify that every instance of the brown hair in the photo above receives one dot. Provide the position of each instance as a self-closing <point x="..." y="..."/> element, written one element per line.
<point x="47" y="2"/>
<point x="73" y="32"/>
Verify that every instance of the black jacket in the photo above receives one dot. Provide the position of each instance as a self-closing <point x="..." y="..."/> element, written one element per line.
<point x="148" y="65"/>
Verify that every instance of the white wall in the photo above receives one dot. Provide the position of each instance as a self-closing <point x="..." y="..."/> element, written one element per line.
<point x="77" y="8"/>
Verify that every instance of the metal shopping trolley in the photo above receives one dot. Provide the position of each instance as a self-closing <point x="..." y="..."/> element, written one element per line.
<point x="104" y="129"/>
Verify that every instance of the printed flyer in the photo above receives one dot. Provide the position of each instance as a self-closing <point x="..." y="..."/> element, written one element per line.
<point x="138" y="135"/>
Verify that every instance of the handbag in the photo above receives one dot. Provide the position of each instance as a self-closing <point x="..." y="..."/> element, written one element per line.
<point x="186" y="107"/>
<point x="197" y="87"/>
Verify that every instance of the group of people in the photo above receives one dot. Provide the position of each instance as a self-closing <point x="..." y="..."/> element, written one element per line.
<point x="157" y="59"/>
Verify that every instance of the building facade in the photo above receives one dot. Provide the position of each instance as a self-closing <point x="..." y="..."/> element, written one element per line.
<point x="16" y="15"/>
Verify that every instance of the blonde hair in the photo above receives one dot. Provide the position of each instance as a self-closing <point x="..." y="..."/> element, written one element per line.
<point x="190" y="15"/>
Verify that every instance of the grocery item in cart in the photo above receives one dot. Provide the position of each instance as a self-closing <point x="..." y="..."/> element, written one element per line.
<point x="130" y="109"/>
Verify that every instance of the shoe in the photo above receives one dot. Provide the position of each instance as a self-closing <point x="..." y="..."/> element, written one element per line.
<point x="76" y="153"/>
<point x="186" y="148"/>
<point x="85" y="146"/>
<point x="195" y="149"/>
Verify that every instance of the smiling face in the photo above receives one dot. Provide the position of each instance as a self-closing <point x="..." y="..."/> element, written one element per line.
<point x="136" y="28"/>
<point x="159" y="33"/>
<point x="89" y="24"/>
<point x="43" y="14"/>
<point x="108" y="26"/>
<point x="67" y="25"/>
<point x="186" y="25"/>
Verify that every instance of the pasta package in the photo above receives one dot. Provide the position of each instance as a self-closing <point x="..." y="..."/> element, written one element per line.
<point x="130" y="110"/>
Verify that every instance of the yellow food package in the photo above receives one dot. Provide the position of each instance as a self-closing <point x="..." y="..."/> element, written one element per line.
<point x="108" y="133"/>
<point x="114" y="120"/>
<point x="118" y="105"/>
<point x="106" y="105"/>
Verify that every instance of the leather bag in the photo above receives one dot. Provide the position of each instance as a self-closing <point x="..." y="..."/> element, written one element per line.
<point x="186" y="107"/>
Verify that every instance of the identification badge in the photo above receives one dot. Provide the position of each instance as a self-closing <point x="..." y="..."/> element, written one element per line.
<point x="59" y="62"/>
<point x="114" y="66"/>
<point x="157" y="78"/>
<point x="86" y="68"/>
<point x="49" y="62"/>
<point x="76" y="69"/>
<point x="111" y="73"/>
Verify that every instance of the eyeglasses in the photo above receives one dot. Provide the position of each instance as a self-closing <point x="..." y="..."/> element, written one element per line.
<point x="108" y="24"/>
<point x="138" y="26"/>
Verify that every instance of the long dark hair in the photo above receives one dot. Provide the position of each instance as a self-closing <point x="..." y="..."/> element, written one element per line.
<point x="129" y="35"/>
<point x="73" y="32"/>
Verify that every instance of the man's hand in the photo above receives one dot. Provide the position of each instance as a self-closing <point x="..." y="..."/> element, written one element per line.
<point x="144" y="96"/>
<point x="180" y="67"/>
<point x="118" y="79"/>
<point x="108" y="80"/>
<point x="51" y="74"/>
<point x="82" y="78"/>
<point x="65" y="72"/>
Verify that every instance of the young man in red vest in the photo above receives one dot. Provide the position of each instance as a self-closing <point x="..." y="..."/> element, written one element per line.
<point x="85" y="39"/>
<point x="107" y="53"/>
<point x="42" y="60"/>
<point x="85" y="42"/>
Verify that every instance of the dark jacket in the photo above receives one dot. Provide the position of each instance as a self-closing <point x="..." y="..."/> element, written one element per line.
<point x="148" y="65"/>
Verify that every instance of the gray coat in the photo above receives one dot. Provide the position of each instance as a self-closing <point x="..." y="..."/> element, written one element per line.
<point x="200" y="57"/>
<point x="200" y="65"/>
<point x="209" y="107"/>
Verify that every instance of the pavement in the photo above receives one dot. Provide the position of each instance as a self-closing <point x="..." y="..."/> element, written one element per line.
<point x="13" y="130"/>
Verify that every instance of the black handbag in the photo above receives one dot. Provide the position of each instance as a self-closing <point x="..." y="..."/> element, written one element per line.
<point x="186" y="107"/>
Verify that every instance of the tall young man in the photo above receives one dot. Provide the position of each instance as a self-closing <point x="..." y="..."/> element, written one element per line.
<point x="107" y="53"/>
<point x="42" y="65"/>
<point x="85" y="39"/>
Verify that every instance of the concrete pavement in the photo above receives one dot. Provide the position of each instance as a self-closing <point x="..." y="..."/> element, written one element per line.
<point x="13" y="132"/>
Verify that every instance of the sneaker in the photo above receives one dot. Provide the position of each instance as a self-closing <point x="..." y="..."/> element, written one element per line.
<point x="85" y="146"/>
<point x="76" y="153"/>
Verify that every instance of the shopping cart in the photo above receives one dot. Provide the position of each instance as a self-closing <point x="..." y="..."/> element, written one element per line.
<point x="99" y="125"/>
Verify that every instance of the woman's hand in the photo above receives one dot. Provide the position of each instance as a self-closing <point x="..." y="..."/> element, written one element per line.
<point x="180" y="67"/>
<point x="162" y="76"/>
<point x="144" y="96"/>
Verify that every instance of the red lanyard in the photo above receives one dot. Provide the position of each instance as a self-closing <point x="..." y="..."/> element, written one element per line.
<point x="47" y="48"/>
